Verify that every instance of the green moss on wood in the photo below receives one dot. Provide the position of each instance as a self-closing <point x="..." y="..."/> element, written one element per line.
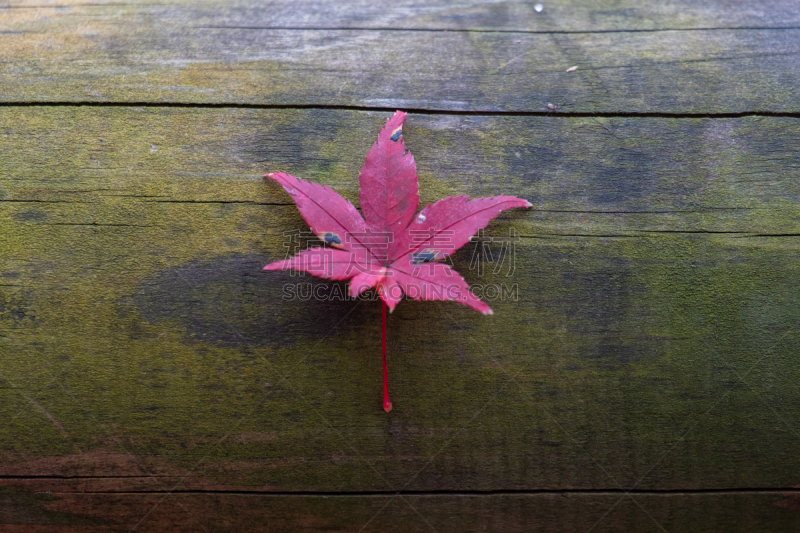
<point x="703" y="61"/>
<point x="647" y="280"/>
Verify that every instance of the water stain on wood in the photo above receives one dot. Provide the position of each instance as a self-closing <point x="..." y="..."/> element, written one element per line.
<point x="33" y="215"/>
<point x="231" y="300"/>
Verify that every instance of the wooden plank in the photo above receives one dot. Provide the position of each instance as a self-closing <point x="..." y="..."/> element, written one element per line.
<point x="504" y="15"/>
<point x="592" y="176"/>
<point x="565" y="512"/>
<point x="646" y="337"/>
<point x="155" y="378"/>
<point x="208" y="54"/>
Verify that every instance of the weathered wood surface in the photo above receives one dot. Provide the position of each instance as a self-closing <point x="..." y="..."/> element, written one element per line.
<point x="471" y="56"/>
<point x="154" y="378"/>
<point x="513" y="513"/>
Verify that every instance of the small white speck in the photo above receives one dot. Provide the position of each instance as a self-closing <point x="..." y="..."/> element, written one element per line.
<point x="421" y="218"/>
<point x="517" y="155"/>
<point x="153" y="148"/>
<point x="538" y="8"/>
<point x="572" y="69"/>
<point x="551" y="106"/>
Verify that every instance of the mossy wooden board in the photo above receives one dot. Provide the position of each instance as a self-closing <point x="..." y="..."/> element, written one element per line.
<point x="500" y="56"/>
<point x="476" y="15"/>
<point x="447" y="513"/>
<point x="155" y="167"/>
<point x="651" y="344"/>
<point x="154" y="378"/>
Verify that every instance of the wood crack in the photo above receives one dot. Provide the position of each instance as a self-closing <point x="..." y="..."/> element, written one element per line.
<point x="99" y="225"/>
<point x="24" y="201"/>
<point x="485" y="30"/>
<point x="644" y="233"/>
<point x="686" y="61"/>
<point x="645" y="212"/>
<point x="388" y="493"/>
<point x="251" y="202"/>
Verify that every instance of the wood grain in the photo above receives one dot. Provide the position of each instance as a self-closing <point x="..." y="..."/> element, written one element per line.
<point x="508" y="15"/>
<point x="644" y="341"/>
<point x="407" y="58"/>
<point x="515" y="513"/>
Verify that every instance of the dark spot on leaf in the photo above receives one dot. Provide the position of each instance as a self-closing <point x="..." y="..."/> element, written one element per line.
<point x="332" y="238"/>
<point x="396" y="135"/>
<point x="425" y="256"/>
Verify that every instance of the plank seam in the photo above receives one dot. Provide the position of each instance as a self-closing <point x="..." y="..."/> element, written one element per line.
<point x="419" y="111"/>
<point x="328" y="494"/>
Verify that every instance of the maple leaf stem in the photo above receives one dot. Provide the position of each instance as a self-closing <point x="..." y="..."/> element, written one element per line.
<point x="387" y="405"/>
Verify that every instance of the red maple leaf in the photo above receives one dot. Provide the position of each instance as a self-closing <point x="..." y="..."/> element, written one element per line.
<point x="391" y="247"/>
